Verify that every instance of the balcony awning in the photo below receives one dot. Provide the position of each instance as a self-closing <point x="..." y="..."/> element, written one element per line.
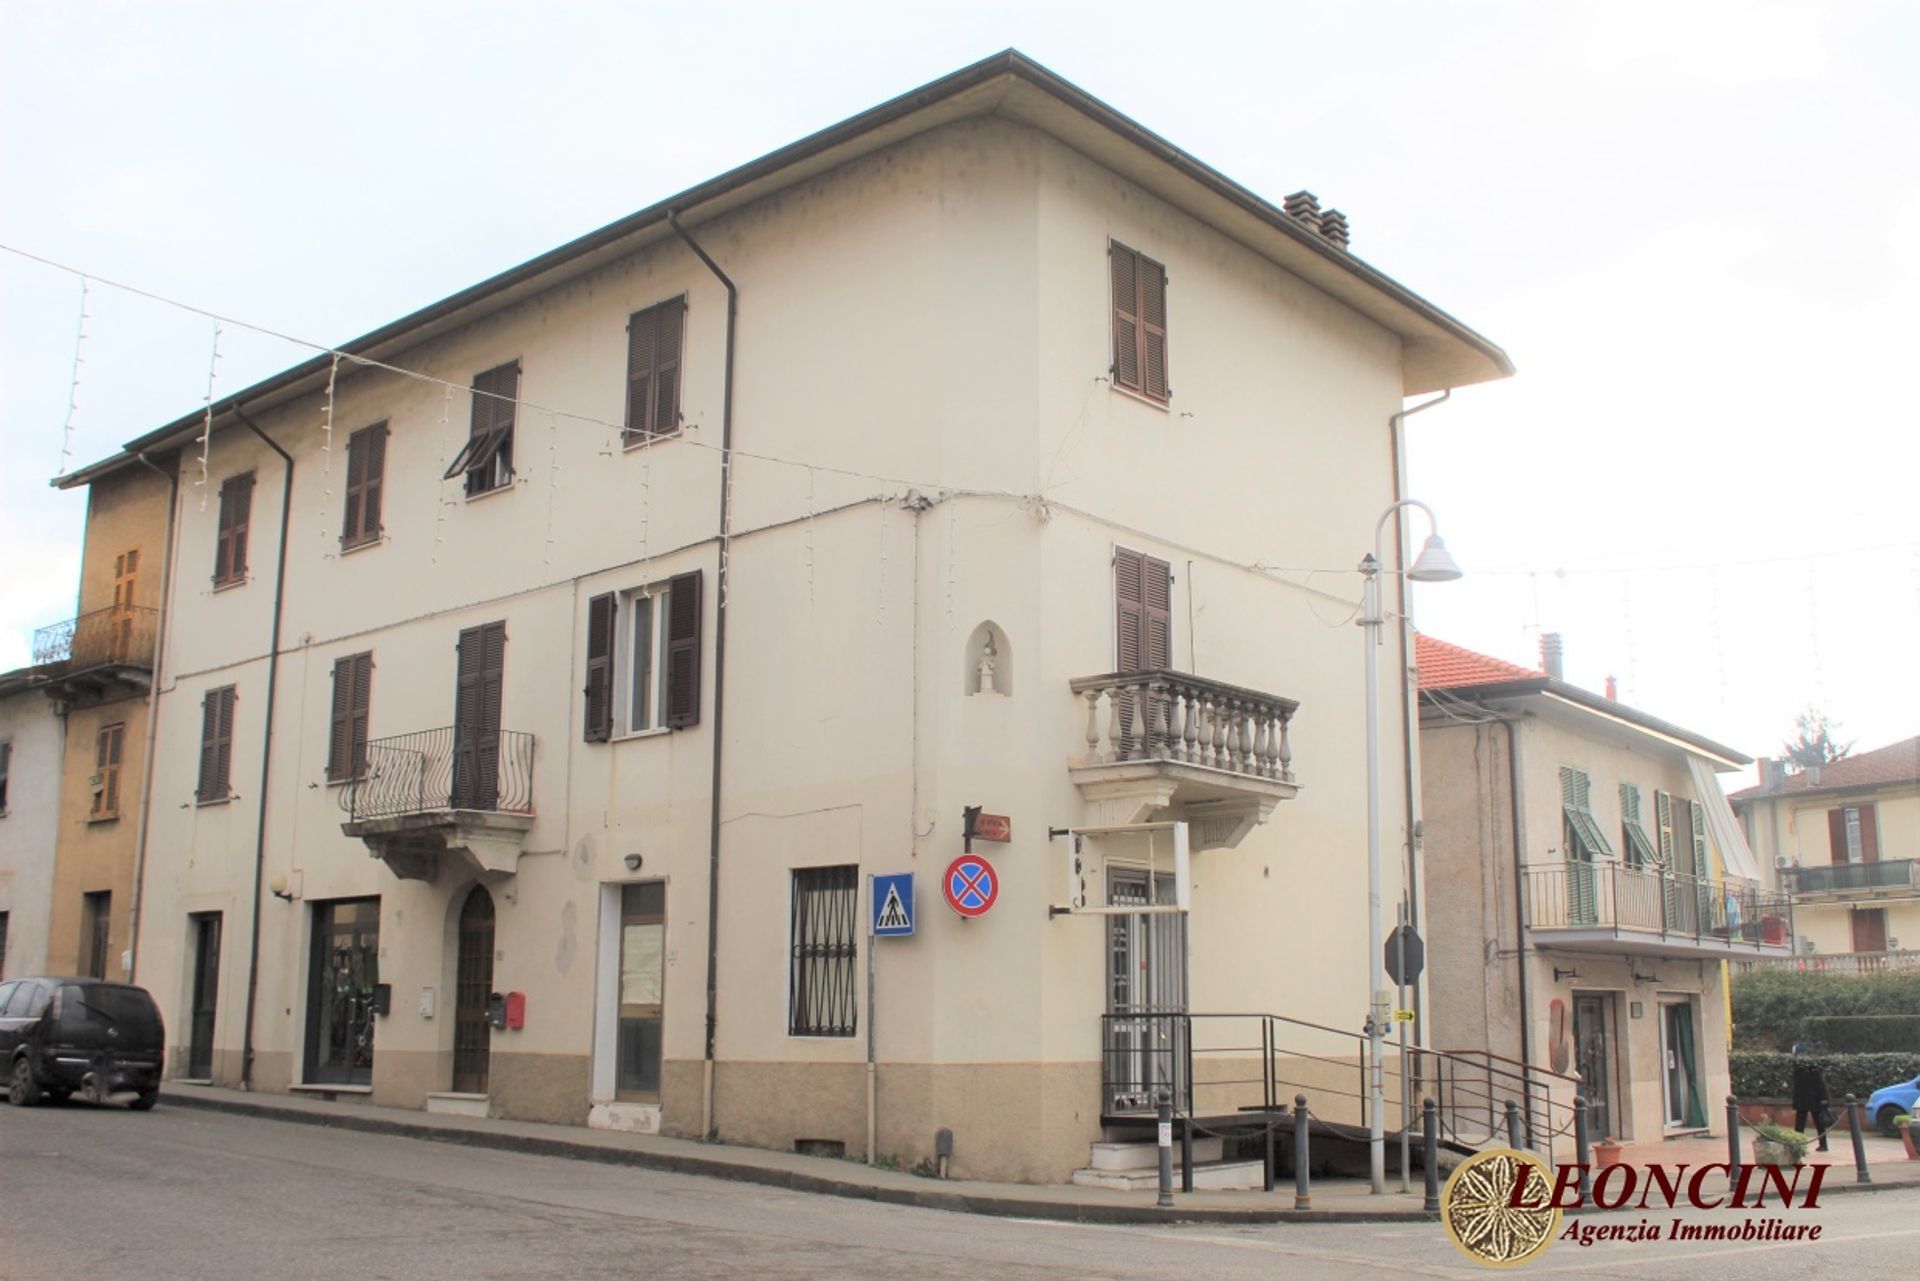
<point x="1736" y="859"/>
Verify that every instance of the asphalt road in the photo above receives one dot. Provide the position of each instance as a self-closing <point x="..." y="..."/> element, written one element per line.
<point x="91" y="1192"/>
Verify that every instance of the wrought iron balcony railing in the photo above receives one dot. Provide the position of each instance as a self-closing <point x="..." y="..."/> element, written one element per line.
<point x="1840" y="878"/>
<point x="120" y="635"/>
<point x="438" y="770"/>
<point x="1189" y="720"/>
<point x="1647" y="900"/>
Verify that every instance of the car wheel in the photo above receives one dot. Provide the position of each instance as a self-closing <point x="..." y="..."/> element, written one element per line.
<point x="1884" y="1119"/>
<point x="147" y="1099"/>
<point x="22" y="1091"/>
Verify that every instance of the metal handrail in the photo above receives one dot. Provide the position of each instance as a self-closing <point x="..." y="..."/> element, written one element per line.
<point x="119" y="634"/>
<point x="1653" y="900"/>
<point x="437" y="769"/>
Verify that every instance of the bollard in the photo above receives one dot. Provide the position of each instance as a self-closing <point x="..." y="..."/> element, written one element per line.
<point x="1186" y="1156"/>
<point x="1860" y="1174"/>
<point x="1166" y="1153"/>
<point x="1580" y="1137"/>
<point x="1513" y="1125"/>
<point x="1302" y="1123"/>
<point x="1430" y="1131"/>
<point x="1733" y="1141"/>
<point x="1267" y="1175"/>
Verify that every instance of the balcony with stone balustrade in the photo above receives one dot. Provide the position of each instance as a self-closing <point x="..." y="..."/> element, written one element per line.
<point x="1171" y="745"/>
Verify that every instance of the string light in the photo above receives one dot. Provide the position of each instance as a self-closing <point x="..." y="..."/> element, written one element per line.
<point x="326" y="447"/>
<point x="885" y="504"/>
<point x="953" y="535"/>
<point x="810" y="511"/>
<point x="206" y="422"/>
<point x="73" y="385"/>
<point x="553" y="485"/>
<point x="446" y="453"/>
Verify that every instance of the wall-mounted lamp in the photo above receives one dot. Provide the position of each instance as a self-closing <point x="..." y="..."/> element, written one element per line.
<point x="1561" y="976"/>
<point x="633" y="862"/>
<point x="1638" y="977"/>
<point x="278" y="887"/>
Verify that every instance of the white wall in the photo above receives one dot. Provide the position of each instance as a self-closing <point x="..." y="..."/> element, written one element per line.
<point x="28" y="826"/>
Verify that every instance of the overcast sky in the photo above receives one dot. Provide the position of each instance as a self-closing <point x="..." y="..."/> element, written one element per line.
<point x="1695" y="225"/>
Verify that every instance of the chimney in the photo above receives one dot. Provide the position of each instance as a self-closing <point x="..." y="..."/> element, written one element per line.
<point x="1304" y="206"/>
<point x="1772" y="772"/>
<point x="1333" y="225"/>
<point x="1551" y="652"/>
<point x="1613" y="690"/>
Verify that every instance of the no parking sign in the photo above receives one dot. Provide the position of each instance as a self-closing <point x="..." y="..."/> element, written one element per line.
<point x="970" y="885"/>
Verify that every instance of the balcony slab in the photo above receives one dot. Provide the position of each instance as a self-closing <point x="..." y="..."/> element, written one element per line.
<point x="416" y="847"/>
<point x="1220" y="805"/>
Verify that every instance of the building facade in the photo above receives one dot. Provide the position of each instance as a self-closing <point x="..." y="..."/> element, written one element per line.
<point x="30" y="757"/>
<point x="539" y="700"/>
<point x="1844" y="840"/>
<point x="1587" y="886"/>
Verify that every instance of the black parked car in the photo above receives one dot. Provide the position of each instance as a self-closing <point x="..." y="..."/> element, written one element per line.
<point x="59" y="1036"/>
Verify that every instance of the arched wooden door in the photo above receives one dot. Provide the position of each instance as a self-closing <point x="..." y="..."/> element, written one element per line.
<point x="473" y="983"/>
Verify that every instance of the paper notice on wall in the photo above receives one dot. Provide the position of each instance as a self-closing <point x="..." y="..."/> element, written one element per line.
<point x="640" y="956"/>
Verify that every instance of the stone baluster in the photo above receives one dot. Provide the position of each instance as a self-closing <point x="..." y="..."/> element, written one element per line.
<point x="1217" y="721"/>
<point x="1286" y="746"/>
<point x="1093" y="726"/>
<point x="1163" y="733"/>
<point x="1234" y="716"/>
<point x="1142" y="715"/>
<point x="1190" y="730"/>
<point x="1115" y="739"/>
<point x="1262" y="742"/>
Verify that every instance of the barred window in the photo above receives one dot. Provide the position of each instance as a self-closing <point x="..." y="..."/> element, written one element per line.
<point x="826" y="910"/>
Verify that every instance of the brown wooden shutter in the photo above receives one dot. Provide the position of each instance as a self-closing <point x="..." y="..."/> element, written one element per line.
<point x="601" y="614"/>
<point x="216" y="743"/>
<point x="653" y="369"/>
<point x="685" y="603"/>
<point x="366" y="473"/>
<point x="223" y="759"/>
<point x="483" y="657"/>
<point x="666" y="378"/>
<point x="642" y="339"/>
<point x="1156" y="580"/>
<point x="1124" y="266"/>
<point x="1130" y="609"/>
<point x="1869" y="929"/>
<point x="1837" y="835"/>
<point x="230" y="542"/>
<point x="1869" y="835"/>
<point x="340" y="723"/>
<point x="1153" y="327"/>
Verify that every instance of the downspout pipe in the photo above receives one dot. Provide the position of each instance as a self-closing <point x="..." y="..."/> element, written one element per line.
<point x="1410" y="687"/>
<point x="266" y="745"/>
<point x="153" y="712"/>
<point x="1519" y="830"/>
<point x="719" y="671"/>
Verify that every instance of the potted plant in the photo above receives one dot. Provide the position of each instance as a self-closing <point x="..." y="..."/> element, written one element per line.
<point x="1777" y="1145"/>
<point x="1904" y="1124"/>
<point x="1608" y="1152"/>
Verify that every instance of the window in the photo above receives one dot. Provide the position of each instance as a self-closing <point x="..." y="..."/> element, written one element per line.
<point x="230" y="543"/>
<point x="643" y="936"/>
<point x="366" y="475"/>
<point x="1853" y="834"/>
<point x="643" y="659"/>
<point x="1139" y="322"/>
<point x="820" y="995"/>
<point x="6" y="769"/>
<point x="653" y="370"/>
<point x="126" y="577"/>
<point x="1143" y="603"/>
<point x="216" y="744"/>
<point x="1633" y="837"/>
<point x="96" y="912"/>
<point x="487" y="457"/>
<point x="347" y="729"/>
<point x="1584" y="839"/>
<point x="106" y="777"/>
<point x="1869" y="928"/>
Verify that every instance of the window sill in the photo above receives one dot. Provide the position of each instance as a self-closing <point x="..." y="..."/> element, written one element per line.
<point x="630" y="444"/>
<point x="343" y="781"/>
<point x="104" y="818"/>
<point x="659" y="732"/>
<point x="503" y="488"/>
<point x="200" y="802"/>
<point x="347" y="549"/>
<point x="1164" y="406"/>
<point x="226" y="584"/>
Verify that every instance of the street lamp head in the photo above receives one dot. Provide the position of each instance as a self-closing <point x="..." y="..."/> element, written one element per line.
<point x="1434" y="565"/>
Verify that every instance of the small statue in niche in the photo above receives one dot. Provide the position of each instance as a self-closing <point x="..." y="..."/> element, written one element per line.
<point x="986" y="667"/>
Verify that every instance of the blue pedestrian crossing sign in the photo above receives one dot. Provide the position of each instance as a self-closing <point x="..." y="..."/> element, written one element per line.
<point x="893" y="905"/>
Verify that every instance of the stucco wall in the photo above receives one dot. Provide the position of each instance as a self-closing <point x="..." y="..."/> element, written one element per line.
<point x="28" y="827"/>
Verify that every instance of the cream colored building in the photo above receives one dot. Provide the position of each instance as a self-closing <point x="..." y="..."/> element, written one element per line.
<point x="925" y="464"/>
<point x="1587" y="887"/>
<point x="1844" y="840"/>
<point x="29" y="818"/>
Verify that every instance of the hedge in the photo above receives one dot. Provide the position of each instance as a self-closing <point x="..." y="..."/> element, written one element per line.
<point x="1771" y="1006"/>
<point x="1766" y="1074"/>
<point x="1864" y="1033"/>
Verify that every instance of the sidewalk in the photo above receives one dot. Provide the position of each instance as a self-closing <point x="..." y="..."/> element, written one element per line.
<point x="1334" y="1200"/>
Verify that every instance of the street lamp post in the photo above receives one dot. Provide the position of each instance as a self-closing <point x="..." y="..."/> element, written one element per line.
<point x="1433" y="565"/>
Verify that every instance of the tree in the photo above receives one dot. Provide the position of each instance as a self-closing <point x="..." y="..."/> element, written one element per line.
<point x="1813" y="742"/>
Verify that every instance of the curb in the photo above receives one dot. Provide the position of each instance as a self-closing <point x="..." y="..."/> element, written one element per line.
<point x="674" y="1163"/>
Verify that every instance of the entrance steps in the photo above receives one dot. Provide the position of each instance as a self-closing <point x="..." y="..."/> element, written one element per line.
<point x="1134" y="1167"/>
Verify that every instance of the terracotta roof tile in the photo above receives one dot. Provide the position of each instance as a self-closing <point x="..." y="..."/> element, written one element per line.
<point x="1895" y="763"/>
<point x="1444" y="666"/>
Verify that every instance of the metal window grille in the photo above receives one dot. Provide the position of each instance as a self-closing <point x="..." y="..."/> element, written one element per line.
<point x="821" y="1000"/>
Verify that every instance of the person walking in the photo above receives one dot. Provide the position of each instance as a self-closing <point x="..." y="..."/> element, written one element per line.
<point x="1810" y="1095"/>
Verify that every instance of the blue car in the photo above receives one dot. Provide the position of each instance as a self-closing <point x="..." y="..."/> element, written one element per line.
<point x="1884" y="1105"/>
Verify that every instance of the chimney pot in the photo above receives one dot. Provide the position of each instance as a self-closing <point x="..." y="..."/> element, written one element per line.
<point x="1303" y="206"/>
<point x="1551" y="654"/>
<point x="1333" y="225"/>
<point x="1613" y="690"/>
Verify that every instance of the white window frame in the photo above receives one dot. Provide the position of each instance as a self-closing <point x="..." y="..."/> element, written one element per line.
<point x="657" y="595"/>
<point x="1856" y="849"/>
